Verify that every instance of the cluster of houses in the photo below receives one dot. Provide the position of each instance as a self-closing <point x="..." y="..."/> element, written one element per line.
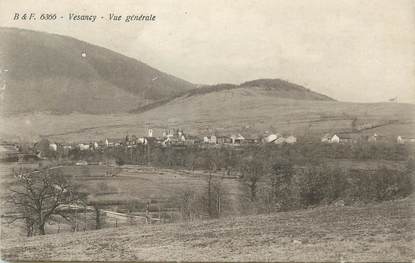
<point x="355" y="138"/>
<point x="179" y="137"/>
<point x="169" y="137"/>
<point x="173" y="137"/>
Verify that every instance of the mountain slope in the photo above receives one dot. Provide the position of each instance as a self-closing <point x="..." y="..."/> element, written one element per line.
<point x="249" y="111"/>
<point x="47" y="72"/>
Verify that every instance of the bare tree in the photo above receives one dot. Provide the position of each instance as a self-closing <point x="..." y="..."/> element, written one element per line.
<point x="37" y="195"/>
<point x="252" y="170"/>
<point x="187" y="202"/>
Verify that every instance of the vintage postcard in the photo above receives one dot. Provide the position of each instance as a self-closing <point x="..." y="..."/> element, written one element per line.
<point x="207" y="131"/>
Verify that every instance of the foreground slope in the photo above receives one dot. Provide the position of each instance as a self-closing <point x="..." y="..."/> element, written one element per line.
<point x="381" y="232"/>
<point x="47" y="72"/>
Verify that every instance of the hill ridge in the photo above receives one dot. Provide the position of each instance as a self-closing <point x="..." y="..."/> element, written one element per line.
<point x="267" y="83"/>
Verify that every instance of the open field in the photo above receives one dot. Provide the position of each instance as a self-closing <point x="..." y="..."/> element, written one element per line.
<point x="243" y="110"/>
<point x="380" y="232"/>
<point x="143" y="184"/>
<point x="135" y="185"/>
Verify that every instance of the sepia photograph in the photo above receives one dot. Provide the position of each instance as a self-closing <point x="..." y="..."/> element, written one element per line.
<point x="207" y="131"/>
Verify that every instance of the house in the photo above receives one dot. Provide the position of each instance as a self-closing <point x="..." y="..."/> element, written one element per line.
<point x="190" y="140"/>
<point x="111" y="142"/>
<point x="142" y="140"/>
<point x="237" y="139"/>
<point x="335" y="139"/>
<point x="210" y="139"/>
<point x="83" y="146"/>
<point x="271" y="138"/>
<point x="67" y="147"/>
<point x="291" y="139"/>
<point x="224" y="140"/>
<point x="403" y="140"/>
<point x="326" y="138"/>
<point x="175" y="136"/>
<point x="53" y="147"/>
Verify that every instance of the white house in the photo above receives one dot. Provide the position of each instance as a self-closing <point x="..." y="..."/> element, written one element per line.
<point x="143" y="140"/>
<point x="83" y="147"/>
<point x="335" y="139"/>
<point x="291" y="139"/>
<point x="53" y="147"/>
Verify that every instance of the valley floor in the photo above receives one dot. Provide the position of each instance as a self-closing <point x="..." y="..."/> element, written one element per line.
<point x="377" y="232"/>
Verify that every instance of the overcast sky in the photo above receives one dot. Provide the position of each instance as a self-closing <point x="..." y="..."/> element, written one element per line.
<point x="350" y="50"/>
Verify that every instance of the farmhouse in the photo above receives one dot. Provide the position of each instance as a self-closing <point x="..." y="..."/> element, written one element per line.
<point x="237" y="139"/>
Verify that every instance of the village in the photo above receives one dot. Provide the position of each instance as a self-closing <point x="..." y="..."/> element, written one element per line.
<point x="10" y="151"/>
